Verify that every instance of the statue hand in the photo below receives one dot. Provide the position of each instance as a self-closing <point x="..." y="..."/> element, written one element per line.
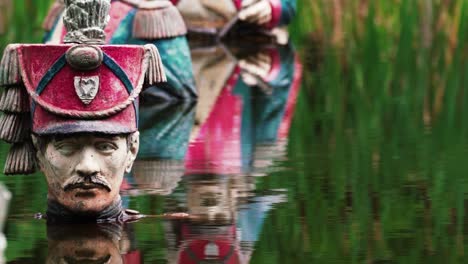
<point x="256" y="65"/>
<point x="256" y="11"/>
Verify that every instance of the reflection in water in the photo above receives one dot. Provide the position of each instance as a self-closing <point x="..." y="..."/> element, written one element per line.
<point x="229" y="219"/>
<point x="242" y="123"/>
<point x="238" y="129"/>
<point x="212" y="236"/>
<point x="246" y="104"/>
<point x="91" y="244"/>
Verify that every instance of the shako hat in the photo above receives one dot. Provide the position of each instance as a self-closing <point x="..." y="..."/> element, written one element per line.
<point x="78" y="87"/>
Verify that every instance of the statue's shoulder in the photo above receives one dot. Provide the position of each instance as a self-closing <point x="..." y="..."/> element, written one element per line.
<point x="54" y="13"/>
<point x="156" y="19"/>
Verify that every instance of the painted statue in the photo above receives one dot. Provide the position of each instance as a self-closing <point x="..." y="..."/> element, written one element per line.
<point x="140" y="22"/>
<point x="218" y="16"/>
<point x="73" y="108"/>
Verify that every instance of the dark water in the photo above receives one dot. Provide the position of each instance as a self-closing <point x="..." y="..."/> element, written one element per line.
<point x="372" y="170"/>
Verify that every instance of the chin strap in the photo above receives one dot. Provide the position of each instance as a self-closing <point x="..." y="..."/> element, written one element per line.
<point x="57" y="213"/>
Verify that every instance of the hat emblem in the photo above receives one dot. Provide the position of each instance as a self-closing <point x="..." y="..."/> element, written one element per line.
<point x="211" y="250"/>
<point x="87" y="88"/>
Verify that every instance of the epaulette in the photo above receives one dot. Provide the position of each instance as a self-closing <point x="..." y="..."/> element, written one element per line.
<point x="15" y="120"/>
<point x="156" y="19"/>
<point x="54" y="13"/>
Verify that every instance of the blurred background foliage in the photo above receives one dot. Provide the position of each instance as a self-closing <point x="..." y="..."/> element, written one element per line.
<point x="379" y="140"/>
<point x="376" y="170"/>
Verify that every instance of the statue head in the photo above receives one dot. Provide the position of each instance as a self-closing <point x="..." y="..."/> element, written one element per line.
<point x="84" y="146"/>
<point x="72" y="111"/>
<point x="84" y="171"/>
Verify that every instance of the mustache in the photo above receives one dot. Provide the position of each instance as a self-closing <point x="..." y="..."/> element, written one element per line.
<point x="86" y="182"/>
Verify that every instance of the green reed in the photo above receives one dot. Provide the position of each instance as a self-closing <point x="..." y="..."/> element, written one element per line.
<point x="379" y="138"/>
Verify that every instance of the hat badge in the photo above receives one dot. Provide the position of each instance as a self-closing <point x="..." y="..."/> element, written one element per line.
<point x="85" y="58"/>
<point x="87" y="88"/>
<point x="211" y="250"/>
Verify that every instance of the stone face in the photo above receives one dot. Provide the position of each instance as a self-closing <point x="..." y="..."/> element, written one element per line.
<point x="84" y="172"/>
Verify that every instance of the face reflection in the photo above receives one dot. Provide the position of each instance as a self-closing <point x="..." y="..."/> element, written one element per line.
<point x="211" y="201"/>
<point x="85" y="244"/>
<point x="84" y="172"/>
<point x="89" y="251"/>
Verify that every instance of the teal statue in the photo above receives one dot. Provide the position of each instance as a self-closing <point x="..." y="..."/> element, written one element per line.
<point x="140" y="22"/>
<point x="165" y="133"/>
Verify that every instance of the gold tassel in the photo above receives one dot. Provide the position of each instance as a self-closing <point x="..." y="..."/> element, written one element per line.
<point x="155" y="72"/>
<point x="157" y="20"/>
<point x="55" y="11"/>
<point x="14" y="100"/>
<point x="9" y="67"/>
<point x="21" y="159"/>
<point x="14" y="128"/>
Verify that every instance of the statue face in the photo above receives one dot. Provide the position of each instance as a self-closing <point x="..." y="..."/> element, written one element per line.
<point x="84" y="172"/>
